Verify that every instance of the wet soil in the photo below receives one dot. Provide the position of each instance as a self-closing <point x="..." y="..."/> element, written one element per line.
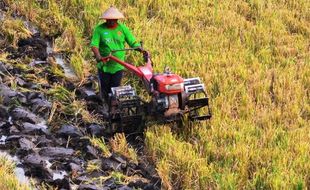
<point x="59" y="153"/>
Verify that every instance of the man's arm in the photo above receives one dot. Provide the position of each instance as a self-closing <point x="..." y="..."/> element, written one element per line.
<point x="96" y="53"/>
<point x="95" y="44"/>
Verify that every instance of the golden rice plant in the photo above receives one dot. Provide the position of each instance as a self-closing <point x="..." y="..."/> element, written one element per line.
<point x="14" y="30"/>
<point x="253" y="57"/>
<point x="9" y="180"/>
<point x="119" y="145"/>
<point x="100" y="143"/>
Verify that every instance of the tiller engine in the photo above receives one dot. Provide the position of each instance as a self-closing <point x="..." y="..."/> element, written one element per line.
<point x="172" y="97"/>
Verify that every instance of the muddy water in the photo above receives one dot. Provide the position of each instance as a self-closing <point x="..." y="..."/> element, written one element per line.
<point x="2" y="16"/>
<point x="49" y="48"/>
<point x="2" y="139"/>
<point x="59" y="175"/>
<point x="58" y="156"/>
<point x="31" y="28"/>
<point x="69" y="73"/>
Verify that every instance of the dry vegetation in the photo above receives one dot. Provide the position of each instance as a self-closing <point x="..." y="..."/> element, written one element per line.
<point x="253" y="56"/>
<point x="119" y="145"/>
<point x="7" y="176"/>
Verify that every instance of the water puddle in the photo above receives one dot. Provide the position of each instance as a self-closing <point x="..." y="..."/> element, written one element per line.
<point x="59" y="175"/>
<point x="48" y="164"/>
<point x="35" y="62"/>
<point x="19" y="172"/>
<point x="69" y="73"/>
<point x="10" y="120"/>
<point x="42" y="125"/>
<point x="31" y="28"/>
<point x="56" y="174"/>
<point x="49" y="48"/>
<point x="67" y="69"/>
<point x="3" y="139"/>
<point x="2" y="16"/>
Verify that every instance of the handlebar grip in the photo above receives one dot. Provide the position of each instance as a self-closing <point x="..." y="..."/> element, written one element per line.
<point x="105" y="59"/>
<point x="146" y="56"/>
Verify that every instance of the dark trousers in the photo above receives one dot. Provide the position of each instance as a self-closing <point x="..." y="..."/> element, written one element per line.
<point x="107" y="81"/>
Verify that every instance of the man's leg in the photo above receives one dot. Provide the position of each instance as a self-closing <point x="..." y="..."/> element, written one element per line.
<point x="116" y="79"/>
<point x="104" y="84"/>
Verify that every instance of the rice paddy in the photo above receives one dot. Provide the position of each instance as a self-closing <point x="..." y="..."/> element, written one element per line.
<point x="252" y="55"/>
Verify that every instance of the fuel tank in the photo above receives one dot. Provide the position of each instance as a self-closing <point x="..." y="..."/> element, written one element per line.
<point x="168" y="83"/>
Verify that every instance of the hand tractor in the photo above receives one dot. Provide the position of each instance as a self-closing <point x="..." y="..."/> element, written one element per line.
<point x="171" y="97"/>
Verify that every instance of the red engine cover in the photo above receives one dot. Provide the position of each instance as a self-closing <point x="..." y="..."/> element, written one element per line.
<point x="169" y="83"/>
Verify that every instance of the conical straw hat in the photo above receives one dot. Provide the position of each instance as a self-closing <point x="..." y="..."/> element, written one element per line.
<point x="112" y="13"/>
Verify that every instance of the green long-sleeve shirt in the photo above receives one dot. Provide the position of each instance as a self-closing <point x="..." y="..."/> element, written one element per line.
<point x="106" y="40"/>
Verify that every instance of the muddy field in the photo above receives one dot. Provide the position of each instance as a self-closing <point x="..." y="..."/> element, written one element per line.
<point x="59" y="153"/>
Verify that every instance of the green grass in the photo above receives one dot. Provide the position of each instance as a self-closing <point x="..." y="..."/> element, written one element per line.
<point x="253" y="56"/>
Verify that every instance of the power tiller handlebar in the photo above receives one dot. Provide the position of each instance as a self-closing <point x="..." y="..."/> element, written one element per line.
<point x="146" y="54"/>
<point x="140" y="71"/>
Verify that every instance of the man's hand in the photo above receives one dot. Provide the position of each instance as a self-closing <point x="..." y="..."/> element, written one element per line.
<point x="105" y="59"/>
<point x="98" y="58"/>
<point x="146" y="56"/>
<point x="140" y="49"/>
<point x="96" y="53"/>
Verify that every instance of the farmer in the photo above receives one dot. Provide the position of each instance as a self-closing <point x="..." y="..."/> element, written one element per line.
<point x="107" y="37"/>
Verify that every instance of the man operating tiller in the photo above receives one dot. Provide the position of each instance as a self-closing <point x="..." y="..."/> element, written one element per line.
<point x="108" y="37"/>
<point x="171" y="96"/>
